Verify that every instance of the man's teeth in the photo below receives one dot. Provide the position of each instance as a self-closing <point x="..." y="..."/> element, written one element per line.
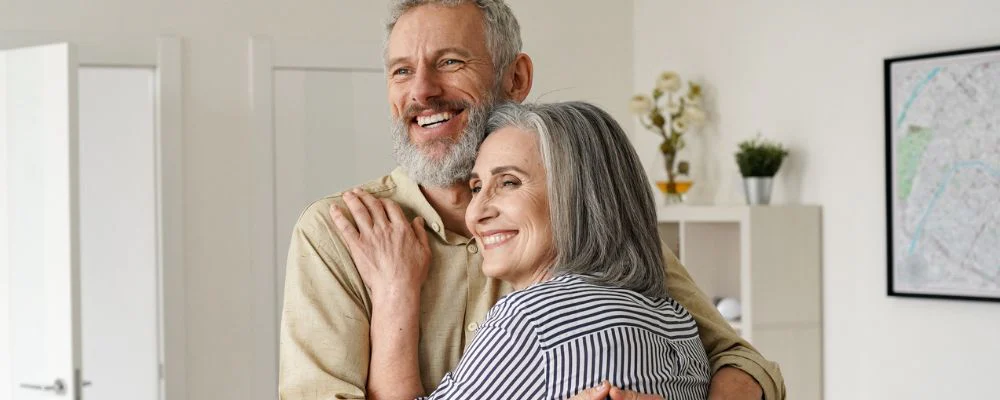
<point x="425" y="121"/>
<point x="500" y="237"/>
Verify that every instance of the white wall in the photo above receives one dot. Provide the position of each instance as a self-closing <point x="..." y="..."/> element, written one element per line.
<point x="5" y="351"/>
<point x="582" y="50"/>
<point x="810" y="75"/>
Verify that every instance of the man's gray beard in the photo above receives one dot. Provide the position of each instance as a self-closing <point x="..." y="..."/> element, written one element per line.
<point x="456" y="164"/>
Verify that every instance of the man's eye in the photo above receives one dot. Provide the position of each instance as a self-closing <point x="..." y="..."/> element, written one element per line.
<point x="451" y="62"/>
<point x="400" y="71"/>
<point x="476" y="189"/>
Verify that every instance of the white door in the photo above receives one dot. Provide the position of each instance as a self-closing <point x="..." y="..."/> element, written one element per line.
<point x="39" y="240"/>
<point x="320" y="125"/>
<point x="118" y="248"/>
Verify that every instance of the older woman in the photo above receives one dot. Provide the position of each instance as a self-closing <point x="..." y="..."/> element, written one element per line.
<point x="563" y="212"/>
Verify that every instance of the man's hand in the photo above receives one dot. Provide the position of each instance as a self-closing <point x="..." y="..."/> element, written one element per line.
<point x="391" y="253"/>
<point x="730" y="383"/>
<point x="605" y="390"/>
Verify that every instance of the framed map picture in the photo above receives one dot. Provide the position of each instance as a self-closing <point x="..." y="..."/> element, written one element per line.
<point x="942" y="133"/>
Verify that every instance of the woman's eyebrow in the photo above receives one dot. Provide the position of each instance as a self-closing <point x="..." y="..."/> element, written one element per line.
<point x="499" y="170"/>
<point x="505" y="168"/>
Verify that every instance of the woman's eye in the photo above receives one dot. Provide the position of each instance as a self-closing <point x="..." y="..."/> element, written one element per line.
<point x="509" y="183"/>
<point x="476" y="189"/>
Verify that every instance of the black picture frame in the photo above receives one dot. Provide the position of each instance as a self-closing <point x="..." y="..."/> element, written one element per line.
<point x="890" y="158"/>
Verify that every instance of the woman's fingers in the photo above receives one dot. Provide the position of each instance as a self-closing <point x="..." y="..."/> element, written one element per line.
<point x="376" y="210"/>
<point x="418" y="228"/>
<point x="599" y="392"/>
<point x="618" y="394"/>
<point x="358" y="209"/>
<point x="394" y="212"/>
<point x="347" y="230"/>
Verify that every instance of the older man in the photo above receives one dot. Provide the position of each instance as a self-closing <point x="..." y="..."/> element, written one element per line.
<point x="446" y="63"/>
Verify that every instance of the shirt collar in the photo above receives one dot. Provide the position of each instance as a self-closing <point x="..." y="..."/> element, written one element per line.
<point x="409" y="195"/>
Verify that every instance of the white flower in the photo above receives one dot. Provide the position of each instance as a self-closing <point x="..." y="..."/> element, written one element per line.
<point x="692" y="100"/>
<point x="679" y="125"/>
<point x="673" y="108"/>
<point x="669" y="82"/>
<point x="694" y="116"/>
<point x="641" y="104"/>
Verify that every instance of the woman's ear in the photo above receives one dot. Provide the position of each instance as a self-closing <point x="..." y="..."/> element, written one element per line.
<point x="521" y="75"/>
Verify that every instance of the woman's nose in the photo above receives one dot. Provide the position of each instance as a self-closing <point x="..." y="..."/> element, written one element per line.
<point x="480" y="210"/>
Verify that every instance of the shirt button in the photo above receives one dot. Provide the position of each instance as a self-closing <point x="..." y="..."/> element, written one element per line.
<point x="472" y="326"/>
<point x="436" y="227"/>
<point x="472" y="248"/>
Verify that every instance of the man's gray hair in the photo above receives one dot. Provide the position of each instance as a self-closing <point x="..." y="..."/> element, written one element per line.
<point x="503" y="33"/>
<point x="602" y="209"/>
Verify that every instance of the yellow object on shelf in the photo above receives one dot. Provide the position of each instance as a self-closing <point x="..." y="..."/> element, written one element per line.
<point x="679" y="186"/>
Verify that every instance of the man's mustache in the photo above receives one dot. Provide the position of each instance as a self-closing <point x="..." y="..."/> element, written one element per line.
<point x="436" y="105"/>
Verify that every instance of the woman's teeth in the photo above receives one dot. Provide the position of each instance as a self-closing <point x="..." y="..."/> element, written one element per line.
<point x="497" y="238"/>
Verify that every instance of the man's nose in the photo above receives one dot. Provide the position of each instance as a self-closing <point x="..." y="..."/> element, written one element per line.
<point x="426" y="86"/>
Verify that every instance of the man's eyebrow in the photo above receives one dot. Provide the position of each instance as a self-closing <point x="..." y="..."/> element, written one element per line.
<point x="457" y="50"/>
<point x="394" y="61"/>
<point x="454" y="50"/>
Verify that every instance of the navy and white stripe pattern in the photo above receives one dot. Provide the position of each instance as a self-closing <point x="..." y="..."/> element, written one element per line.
<point x="557" y="338"/>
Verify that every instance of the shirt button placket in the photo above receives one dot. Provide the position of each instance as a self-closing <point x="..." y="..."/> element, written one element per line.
<point x="475" y="283"/>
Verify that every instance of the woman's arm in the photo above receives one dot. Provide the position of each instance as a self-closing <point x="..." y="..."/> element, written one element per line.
<point x="393" y="278"/>
<point x="393" y="372"/>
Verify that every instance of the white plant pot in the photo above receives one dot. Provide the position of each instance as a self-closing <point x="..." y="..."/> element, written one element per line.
<point x="757" y="190"/>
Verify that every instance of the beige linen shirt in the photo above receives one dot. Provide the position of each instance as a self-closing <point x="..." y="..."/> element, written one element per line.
<point x="325" y="344"/>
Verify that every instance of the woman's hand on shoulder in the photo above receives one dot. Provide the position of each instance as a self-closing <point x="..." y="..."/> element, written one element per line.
<point x="391" y="253"/>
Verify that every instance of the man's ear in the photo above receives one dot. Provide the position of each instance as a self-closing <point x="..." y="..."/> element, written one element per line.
<point x="519" y="80"/>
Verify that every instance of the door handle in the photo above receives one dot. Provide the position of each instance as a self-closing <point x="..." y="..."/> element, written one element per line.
<point x="57" y="387"/>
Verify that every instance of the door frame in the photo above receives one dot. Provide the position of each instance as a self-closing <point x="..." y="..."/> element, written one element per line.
<point x="163" y="55"/>
<point x="266" y="56"/>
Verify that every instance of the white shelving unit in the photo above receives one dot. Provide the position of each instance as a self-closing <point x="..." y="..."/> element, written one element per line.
<point x="770" y="259"/>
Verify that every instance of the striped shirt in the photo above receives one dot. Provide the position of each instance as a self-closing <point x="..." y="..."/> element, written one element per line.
<point x="557" y="338"/>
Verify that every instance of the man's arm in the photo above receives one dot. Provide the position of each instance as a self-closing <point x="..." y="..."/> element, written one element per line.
<point x="724" y="346"/>
<point x="325" y="318"/>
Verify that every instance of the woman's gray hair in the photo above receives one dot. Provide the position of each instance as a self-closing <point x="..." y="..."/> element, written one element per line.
<point x="603" y="214"/>
<point x="503" y="33"/>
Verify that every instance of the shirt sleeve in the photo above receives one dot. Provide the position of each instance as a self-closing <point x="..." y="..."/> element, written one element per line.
<point x="504" y="361"/>
<point x="325" y="320"/>
<point x="725" y="348"/>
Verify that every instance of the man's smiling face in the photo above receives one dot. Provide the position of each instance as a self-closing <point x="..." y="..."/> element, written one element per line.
<point x="438" y="69"/>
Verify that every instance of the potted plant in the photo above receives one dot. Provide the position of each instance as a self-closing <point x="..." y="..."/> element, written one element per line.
<point x="670" y="114"/>
<point x="759" y="160"/>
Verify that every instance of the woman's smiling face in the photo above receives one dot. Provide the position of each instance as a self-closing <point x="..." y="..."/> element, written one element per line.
<point x="509" y="212"/>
